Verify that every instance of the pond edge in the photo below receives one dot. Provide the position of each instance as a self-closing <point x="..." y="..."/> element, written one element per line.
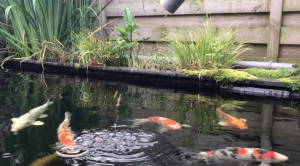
<point x="257" y="87"/>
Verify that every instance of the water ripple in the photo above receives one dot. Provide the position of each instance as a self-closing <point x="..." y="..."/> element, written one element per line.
<point x="115" y="146"/>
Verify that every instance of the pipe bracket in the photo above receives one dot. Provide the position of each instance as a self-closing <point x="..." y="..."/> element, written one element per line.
<point x="270" y="64"/>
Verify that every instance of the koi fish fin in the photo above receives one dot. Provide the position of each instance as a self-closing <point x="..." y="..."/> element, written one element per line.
<point x="264" y="164"/>
<point x="162" y="129"/>
<point x="245" y="120"/>
<point x="43" y="116"/>
<point x="137" y="122"/>
<point x="222" y="123"/>
<point x="231" y="148"/>
<point x="14" y="119"/>
<point x="38" y="123"/>
<point x="185" y="125"/>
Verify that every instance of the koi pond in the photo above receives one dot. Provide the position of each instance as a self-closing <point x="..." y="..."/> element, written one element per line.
<point x="103" y="114"/>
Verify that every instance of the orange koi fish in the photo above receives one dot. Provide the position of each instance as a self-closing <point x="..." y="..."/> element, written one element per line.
<point x="228" y="120"/>
<point x="245" y="154"/>
<point x="64" y="132"/>
<point x="166" y="124"/>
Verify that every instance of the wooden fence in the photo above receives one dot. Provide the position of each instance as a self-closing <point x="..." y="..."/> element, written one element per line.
<point x="272" y="27"/>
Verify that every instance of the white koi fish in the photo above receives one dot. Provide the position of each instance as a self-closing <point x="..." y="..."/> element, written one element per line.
<point x="266" y="157"/>
<point x="30" y="117"/>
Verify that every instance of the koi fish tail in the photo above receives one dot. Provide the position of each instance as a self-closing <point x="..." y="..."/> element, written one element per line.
<point x="185" y="125"/>
<point x="68" y="115"/>
<point x="49" y="102"/>
<point x="137" y="122"/>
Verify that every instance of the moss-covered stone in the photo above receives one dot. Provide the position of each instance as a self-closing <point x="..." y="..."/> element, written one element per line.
<point x="266" y="73"/>
<point x="291" y="82"/>
<point x="77" y="66"/>
<point x="224" y="75"/>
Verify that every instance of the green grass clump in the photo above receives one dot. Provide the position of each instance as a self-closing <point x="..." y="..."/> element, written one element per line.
<point x="92" y="50"/>
<point x="291" y="82"/>
<point x="266" y="73"/>
<point x="204" y="47"/>
<point x="224" y="75"/>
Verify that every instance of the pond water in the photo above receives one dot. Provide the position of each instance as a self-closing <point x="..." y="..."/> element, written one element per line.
<point x="271" y="126"/>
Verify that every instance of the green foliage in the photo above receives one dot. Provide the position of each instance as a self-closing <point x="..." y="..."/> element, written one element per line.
<point x="35" y="22"/>
<point x="266" y="73"/>
<point x="92" y="50"/>
<point x="203" y="48"/>
<point x="123" y="47"/>
<point x="224" y="75"/>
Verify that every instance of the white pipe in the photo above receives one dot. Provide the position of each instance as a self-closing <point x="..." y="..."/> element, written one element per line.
<point x="247" y="64"/>
<point x="268" y="65"/>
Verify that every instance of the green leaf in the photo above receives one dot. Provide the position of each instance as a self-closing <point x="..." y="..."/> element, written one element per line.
<point x="128" y="17"/>
<point x="131" y="28"/>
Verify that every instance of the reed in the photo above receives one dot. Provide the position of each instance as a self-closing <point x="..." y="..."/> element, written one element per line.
<point x="34" y="22"/>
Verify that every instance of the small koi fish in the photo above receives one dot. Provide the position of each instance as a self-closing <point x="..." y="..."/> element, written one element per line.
<point x="166" y="124"/>
<point x="246" y="154"/>
<point x="64" y="132"/>
<point x="228" y="120"/>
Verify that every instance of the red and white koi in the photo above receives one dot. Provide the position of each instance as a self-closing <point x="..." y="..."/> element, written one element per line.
<point x="245" y="154"/>
<point x="166" y="124"/>
<point x="64" y="132"/>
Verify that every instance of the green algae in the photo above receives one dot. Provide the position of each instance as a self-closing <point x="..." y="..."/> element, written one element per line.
<point x="224" y="75"/>
<point x="77" y="66"/>
<point x="290" y="77"/>
<point x="266" y="73"/>
<point x="291" y="82"/>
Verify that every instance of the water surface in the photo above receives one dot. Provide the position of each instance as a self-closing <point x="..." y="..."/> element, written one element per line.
<point x="270" y="126"/>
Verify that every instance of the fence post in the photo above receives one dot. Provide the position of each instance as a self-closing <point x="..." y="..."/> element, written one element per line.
<point x="274" y="30"/>
<point x="103" y="18"/>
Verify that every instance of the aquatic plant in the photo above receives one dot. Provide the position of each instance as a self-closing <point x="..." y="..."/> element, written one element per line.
<point x="203" y="48"/>
<point x="34" y="22"/>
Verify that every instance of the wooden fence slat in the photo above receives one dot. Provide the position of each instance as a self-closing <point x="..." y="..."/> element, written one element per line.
<point x="153" y="8"/>
<point x="291" y="5"/>
<point x="274" y="30"/>
<point x="290" y="35"/>
<point x="245" y="34"/>
<point x="244" y="20"/>
<point x="291" y="19"/>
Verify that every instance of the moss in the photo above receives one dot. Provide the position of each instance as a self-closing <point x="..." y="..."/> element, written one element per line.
<point x="77" y="66"/>
<point x="291" y="82"/>
<point x="265" y="73"/>
<point x="224" y="75"/>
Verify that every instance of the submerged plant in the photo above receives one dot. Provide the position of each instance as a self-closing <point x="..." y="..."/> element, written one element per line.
<point x="204" y="48"/>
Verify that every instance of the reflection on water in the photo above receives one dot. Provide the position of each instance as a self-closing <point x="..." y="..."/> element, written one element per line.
<point x="94" y="112"/>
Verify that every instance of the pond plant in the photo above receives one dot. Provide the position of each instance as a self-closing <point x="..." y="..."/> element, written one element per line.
<point x="204" y="47"/>
<point x="35" y="24"/>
